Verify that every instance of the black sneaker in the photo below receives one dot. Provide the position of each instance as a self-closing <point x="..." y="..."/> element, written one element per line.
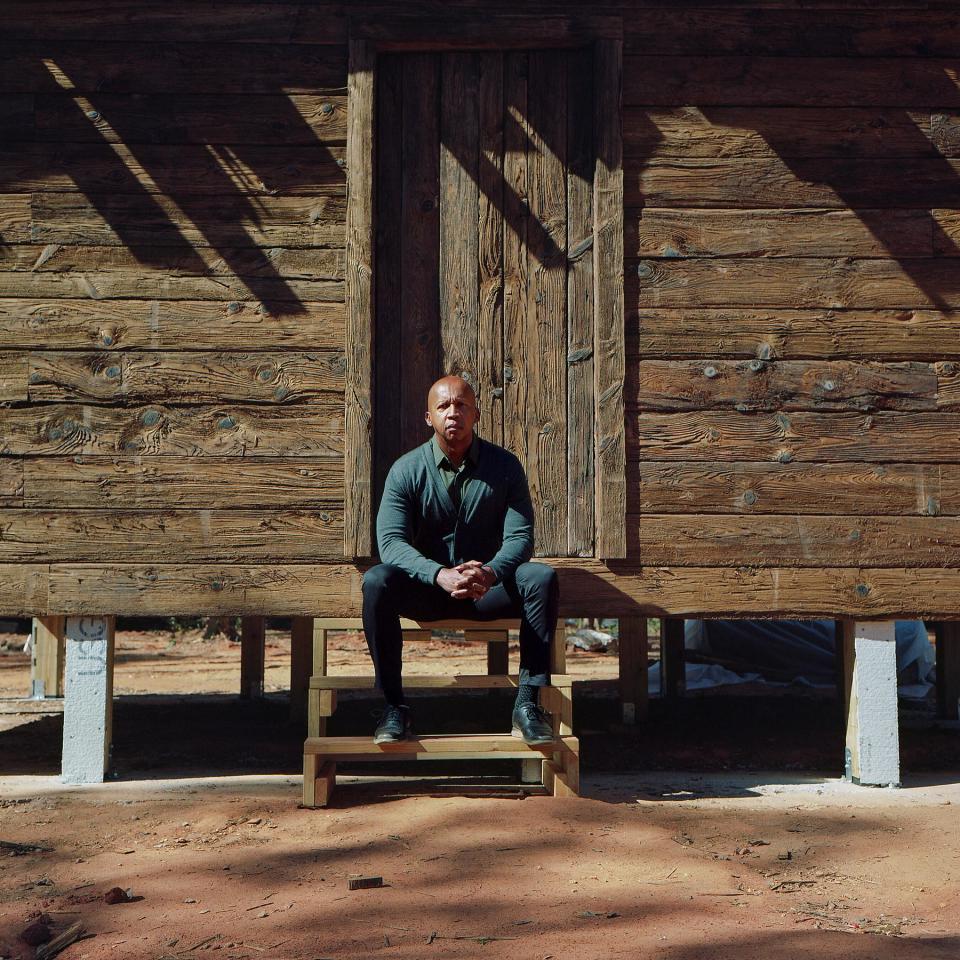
<point x="394" y="726"/>
<point x="531" y="725"/>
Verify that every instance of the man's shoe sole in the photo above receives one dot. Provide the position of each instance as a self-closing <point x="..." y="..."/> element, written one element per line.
<point x="516" y="732"/>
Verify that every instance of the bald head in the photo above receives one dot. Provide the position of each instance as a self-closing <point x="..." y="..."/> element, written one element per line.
<point x="452" y="413"/>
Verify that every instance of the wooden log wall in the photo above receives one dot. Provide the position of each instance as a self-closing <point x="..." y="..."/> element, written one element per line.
<point x="172" y="231"/>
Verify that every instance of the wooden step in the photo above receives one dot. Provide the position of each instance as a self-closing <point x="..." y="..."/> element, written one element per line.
<point x="413" y="682"/>
<point x="480" y="626"/>
<point x="483" y="746"/>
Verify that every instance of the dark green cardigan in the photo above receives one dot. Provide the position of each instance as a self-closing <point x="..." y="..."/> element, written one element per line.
<point x="420" y="530"/>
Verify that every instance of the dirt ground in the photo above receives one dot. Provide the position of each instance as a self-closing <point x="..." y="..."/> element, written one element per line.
<point x="203" y="828"/>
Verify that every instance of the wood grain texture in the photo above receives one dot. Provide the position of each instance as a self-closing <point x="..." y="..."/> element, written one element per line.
<point x="306" y="430"/>
<point x="786" y="333"/>
<point x="689" y="133"/>
<point x="13" y="377"/>
<point x="658" y="232"/>
<point x="782" y="81"/>
<point x="65" y="324"/>
<point x="801" y="541"/>
<point x="459" y="195"/>
<point x="580" y="305"/>
<point x="840" y="489"/>
<point x="792" y="385"/>
<point x="160" y="483"/>
<point x="194" y="171"/>
<point x="801" y="437"/>
<point x="490" y="252"/>
<point x="800" y="282"/>
<point x="171" y="67"/>
<point x="420" y="241"/>
<point x="158" y="221"/>
<point x="546" y="299"/>
<point x="609" y="361"/>
<point x="361" y="243"/>
<point x="167" y="589"/>
<point x="190" y="536"/>
<point x="136" y="377"/>
<point x="833" y="183"/>
<point x="14" y="218"/>
<point x="195" y="119"/>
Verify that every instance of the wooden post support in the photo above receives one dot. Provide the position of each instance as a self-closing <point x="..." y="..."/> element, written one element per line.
<point x="872" y="754"/>
<point x="47" y="649"/>
<point x="633" y="655"/>
<point x="88" y="699"/>
<point x="301" y="666"/>
<point x="253" y="634"/>
<point x="673" y="678"/>
<point x="948" y="669"/>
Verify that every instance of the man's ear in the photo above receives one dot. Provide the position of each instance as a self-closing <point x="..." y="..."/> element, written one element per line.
<point x="427" y="419"/>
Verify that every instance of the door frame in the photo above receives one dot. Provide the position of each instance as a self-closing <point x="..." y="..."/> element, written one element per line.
<point x="369" y="37"/>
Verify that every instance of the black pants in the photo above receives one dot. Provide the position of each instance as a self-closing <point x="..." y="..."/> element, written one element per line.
<point x="531" y="593"/>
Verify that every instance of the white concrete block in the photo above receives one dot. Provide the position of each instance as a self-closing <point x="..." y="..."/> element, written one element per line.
<point x="88" y="699"/>
<point x="873" y="740"/>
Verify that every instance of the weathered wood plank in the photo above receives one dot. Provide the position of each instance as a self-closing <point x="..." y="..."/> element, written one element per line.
<point x="170" y="68"/>
<point x="839" y="32"/>
<point x="98" y="168"/>
<point x="23" y="589"/>
<point x="546" y="299"/>
<point x="946" y="232"/>
<point x="387" y="435"/>
<point x="801" y="283"/>
<point x="167" y="325"/>
<point x="360" y="326"/>
<point x="195" y="119"/>
<point x="11" y="482"/>
<point x="609" y="363"/>
<point x="801" y="541"/>
<point x="459" y="195"/>
<point x="154" y="264"/>
<point x="832" y="183"/>
<point x="157" y="221"/>
<point x="794" y="334"/>
<point x="774" y="81"/>
<point x="171" y="589"/>
<point x="659" y="232"/>
<point x="780" y="488"/>
<point x="689" y="133"/>
<point x="420" y="241"/>
<point x="516" y="376"/>
<point x="580" y="305"/>
<point x="490" y="250"/>
<point x="189" y="536"/>
<point x="802" y="437"/>
<point x="159" y="483"/>
<point x="14" y="218"/>
<point x="183" y="377"/>
<point x="13" y="377"/>
<point x="306" y="430"/>
<point x="17" y="116"/>
<point x="792" y="385"/>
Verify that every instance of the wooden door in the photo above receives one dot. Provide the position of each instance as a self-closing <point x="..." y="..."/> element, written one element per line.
<point x="485" y="238"/>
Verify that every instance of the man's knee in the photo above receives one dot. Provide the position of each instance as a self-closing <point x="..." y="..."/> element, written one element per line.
<point x="378" y="581"/>
<point x="536" y="578"/>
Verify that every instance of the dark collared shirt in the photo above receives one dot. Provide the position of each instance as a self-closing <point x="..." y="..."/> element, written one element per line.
<point x="455" y="479"/>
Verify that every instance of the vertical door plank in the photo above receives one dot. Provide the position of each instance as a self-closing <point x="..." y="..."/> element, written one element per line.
<point x="580" y="478"/>
<point x="546" y="301"/>
<point x="490" y="252"/>
<point x="515" y="214"/>
<point x="420" y="350"/>
<point x="459" y="205"/>
<point x="358" y="458"/>
<point x="388" y="436"/>
<point x="608" y="300"/>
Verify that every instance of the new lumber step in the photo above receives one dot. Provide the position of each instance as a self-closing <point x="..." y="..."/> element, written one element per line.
<point x="413" y="682"/>
<point x="481" y="746"/>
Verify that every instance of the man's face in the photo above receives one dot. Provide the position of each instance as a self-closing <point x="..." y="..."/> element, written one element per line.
<point x="452" y="411"/>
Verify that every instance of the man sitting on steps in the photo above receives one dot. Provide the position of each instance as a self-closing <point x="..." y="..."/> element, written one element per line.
<point x="455" y="532"/>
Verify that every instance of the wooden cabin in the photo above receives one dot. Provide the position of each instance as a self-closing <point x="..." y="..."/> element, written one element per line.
<point x="702" y="263"/>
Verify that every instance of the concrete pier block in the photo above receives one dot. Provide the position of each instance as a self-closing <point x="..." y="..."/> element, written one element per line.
<point x="870" y="665"/>
<point x="88" y="699"/>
